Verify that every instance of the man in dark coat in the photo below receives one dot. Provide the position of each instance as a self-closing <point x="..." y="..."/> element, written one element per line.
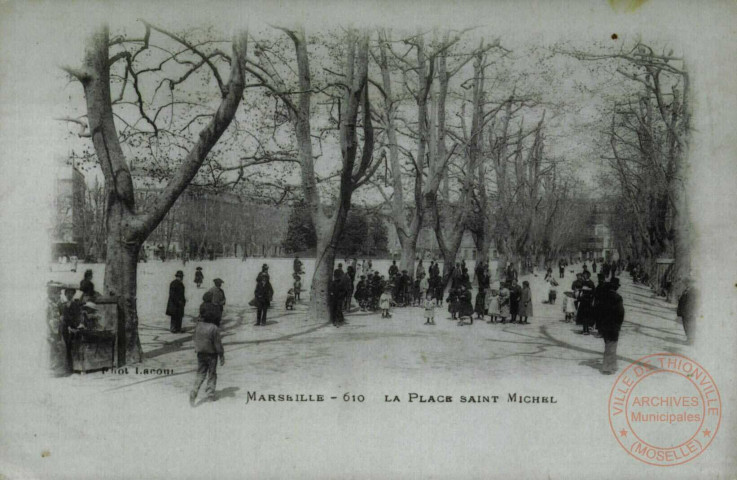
<point x="515" y="295"/>
<point x="511" y="273"/>
<point x="611" y="316"/>
<point x="336" y="299"/>
<point x="263" y="295"/>
<point x="576" y="287"/>
<point x="438" y="287"/>
<point x="218" y="298"/>
<point x="175" y="304"/>
<point x="606" y="270"/>
<point x="434" y="269"/>
<point x="263" y="273"/>
<point x="348" y="287"/>
<point x="393" y="269"/>
<point x="405" y="284"/>
<point x="601" y="287"/>
<point x="377" y="287"/>
<point x="465" y="278"/>
<point x="585" y="314"/>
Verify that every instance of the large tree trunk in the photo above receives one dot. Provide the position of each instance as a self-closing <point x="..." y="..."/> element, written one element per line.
<point x="329" y="228"/>
<point x="121" y="269"/>
<point x="407" y="259"/>
<point x="319" y="293"/>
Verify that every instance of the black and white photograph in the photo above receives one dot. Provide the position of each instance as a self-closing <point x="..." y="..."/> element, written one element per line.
<point x="368" y="240"/>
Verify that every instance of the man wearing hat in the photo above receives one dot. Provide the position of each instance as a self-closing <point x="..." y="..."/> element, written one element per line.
<point x="175" y="304"/>
<point x="611" y="316"/>
<point x="218" y="298"/>
<point x="263" y="273"/>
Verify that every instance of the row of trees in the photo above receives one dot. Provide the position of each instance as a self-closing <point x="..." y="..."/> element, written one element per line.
<point x="646" y="142"/>
<point x="454" y="130"/>
<point x="459" y="146"/>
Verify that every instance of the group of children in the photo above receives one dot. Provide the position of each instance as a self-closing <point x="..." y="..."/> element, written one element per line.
<point x="507" y="303"/>
<point x="513" y="304"/>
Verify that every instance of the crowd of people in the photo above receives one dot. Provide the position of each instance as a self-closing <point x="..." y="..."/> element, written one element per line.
<point x="596" y="307"/>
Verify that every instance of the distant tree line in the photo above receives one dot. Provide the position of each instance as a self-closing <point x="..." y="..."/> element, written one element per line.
<point x="365" y="233"/>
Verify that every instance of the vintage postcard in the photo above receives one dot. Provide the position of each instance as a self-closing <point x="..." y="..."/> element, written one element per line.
<point x="368" y="240"/>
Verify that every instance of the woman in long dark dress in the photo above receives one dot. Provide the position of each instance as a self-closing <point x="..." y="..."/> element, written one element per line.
<point x="525" y="303"/>
<point x="465" y="309"/>
<point x="480" y="305"/>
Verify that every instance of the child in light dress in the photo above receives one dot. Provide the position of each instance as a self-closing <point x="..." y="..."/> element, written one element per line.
<point x="385" y="302"/>
<point x="429" y="309"/>
<point x="569" y="306"/>
<point x="492" y="305"/>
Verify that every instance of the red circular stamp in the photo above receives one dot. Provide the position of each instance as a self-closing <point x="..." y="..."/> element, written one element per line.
<point x="665" y="409"/>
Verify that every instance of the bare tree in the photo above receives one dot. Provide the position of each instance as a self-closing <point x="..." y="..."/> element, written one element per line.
<point x="348" y="90"/>
<point x="127" y="228"/>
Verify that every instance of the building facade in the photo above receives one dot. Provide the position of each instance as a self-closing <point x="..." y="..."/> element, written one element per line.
<point x="67" y="234"/>
<point x="600" y="242"/>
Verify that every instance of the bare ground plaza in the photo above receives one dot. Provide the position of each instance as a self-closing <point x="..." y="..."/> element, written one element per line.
<point x="299" y="351"/>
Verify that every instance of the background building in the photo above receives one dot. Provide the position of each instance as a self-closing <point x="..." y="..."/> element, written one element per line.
<point x="599" y="242"/>
<point x="67" y="235"/>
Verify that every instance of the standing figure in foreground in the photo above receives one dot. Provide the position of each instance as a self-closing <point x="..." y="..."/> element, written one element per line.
<point x="611" y="315"/>
<point x="209" y="347"/>
<point x="175" y="304"/>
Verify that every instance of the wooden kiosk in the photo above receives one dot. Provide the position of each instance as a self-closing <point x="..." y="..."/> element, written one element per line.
<point x="101" y="344"/>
